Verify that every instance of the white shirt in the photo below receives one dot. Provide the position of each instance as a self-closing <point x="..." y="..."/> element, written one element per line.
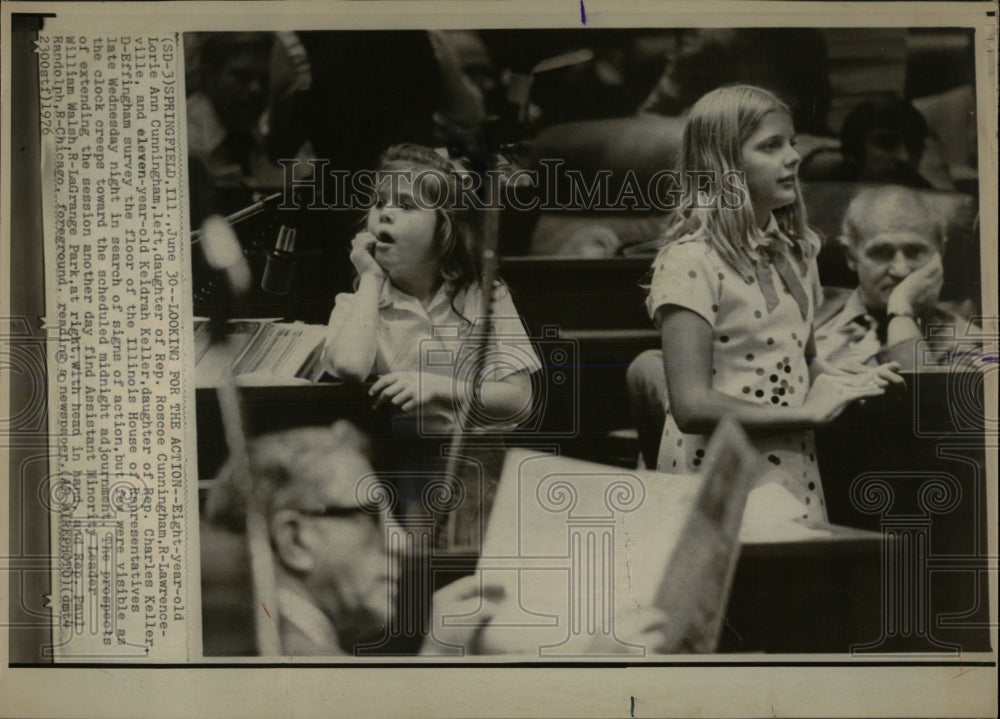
<point x="852" y="334"/>
<point x="440" y="338"/>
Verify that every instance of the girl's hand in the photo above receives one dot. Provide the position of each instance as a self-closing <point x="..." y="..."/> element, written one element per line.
<point x="361" y="255"/>
<point x="852" y="371"/>
<point x="409" y="390"/>
<point x="830" y="394"/>
<point x="886" y="374"/>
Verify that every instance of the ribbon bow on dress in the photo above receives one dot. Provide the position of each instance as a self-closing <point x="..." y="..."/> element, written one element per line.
<point x="777" y="251"/>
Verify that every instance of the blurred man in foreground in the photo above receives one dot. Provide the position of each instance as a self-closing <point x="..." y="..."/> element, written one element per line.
<point x="336" y="579"/>
<point x="336" y="582"/>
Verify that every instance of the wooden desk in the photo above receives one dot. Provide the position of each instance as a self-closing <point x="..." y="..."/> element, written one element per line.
<point x="815" y="596"/>
<point x="598" y="305"/>
<point x="912" y="464"/>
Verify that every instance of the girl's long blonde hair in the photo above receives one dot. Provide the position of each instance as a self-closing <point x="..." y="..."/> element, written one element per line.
<point x="717" y="127"/>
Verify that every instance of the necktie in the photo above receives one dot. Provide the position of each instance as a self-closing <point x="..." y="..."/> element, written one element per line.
<point x="859" y="327"/>
<point x="774" y="255"/>
<point x="853" y="339"/>
<point x="881" y="328"/>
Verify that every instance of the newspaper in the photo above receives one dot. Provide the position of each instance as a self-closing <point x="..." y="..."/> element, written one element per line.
<point x="112" y="449"/>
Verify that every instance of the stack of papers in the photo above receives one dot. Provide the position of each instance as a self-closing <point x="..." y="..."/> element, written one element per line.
<point x="259" y="352"/>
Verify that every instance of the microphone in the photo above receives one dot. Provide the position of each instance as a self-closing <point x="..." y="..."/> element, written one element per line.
<point x="280" y="267"/>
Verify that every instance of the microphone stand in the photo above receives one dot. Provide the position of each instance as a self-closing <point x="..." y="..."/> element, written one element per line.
<point x="207" y="288"/>
<point x="223" y="253"/>
<point x="481" y="160"/>
<point x="240" y="215"/>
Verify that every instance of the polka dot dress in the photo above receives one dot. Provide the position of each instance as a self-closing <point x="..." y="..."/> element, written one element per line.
<point x="758" y="356"/>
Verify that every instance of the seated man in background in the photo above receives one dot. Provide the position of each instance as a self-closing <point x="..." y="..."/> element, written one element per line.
<point x="335" y="580"/>
<point x="894" y="241"/>
<point x="883" y="141"/>
<point x="226" y="121"/>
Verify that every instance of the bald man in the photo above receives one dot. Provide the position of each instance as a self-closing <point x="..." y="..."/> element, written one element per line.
<point x="893" y="240"/>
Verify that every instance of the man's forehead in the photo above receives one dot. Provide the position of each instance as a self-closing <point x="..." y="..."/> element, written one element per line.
<point x="900" y="237"/>
<point x="897" y="216"/>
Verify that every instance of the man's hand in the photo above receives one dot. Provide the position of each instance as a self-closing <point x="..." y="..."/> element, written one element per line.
<point x="919" y="290"/>
<point x="467" y="597"/>
<point x="462" y="101"/>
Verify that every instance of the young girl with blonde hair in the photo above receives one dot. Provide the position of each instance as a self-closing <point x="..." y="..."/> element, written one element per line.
<point x="733" y="293"/>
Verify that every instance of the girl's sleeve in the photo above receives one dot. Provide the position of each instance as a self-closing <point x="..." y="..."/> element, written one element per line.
<point x="512" y="350"/>
<point x="684" y="275"/>
<point x="342" y="305"/>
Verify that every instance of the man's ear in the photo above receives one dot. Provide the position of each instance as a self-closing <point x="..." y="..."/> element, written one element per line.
<point x="849" y="256"/>
<point x="288" y="535"/>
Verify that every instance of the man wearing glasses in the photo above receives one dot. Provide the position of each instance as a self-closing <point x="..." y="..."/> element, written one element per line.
<point x="336" y="583"/>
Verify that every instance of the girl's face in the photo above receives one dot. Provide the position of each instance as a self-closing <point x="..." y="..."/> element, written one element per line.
<point x="770" y="162"/>
<point x="405" y="248"/>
